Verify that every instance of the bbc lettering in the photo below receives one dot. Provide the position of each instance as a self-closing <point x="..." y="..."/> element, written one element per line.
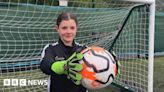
<point x="6" y="82"/>
<point x="23" y="82"/>
<point x="14" y="82"/>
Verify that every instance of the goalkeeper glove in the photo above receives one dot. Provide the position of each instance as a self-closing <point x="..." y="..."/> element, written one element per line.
<point x="70" y="67"/>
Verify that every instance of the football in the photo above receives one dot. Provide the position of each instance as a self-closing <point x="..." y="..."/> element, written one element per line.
<point x="99" y="68"/>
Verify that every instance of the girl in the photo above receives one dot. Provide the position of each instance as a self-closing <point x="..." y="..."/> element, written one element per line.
<point x="55" y="57"/>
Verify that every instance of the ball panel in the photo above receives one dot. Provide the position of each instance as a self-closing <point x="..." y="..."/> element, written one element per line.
<point x="88" y="73"/>
<point x="99" y="68"/>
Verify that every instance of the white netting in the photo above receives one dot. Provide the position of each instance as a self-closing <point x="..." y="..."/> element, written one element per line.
<point x="27" y="26"/>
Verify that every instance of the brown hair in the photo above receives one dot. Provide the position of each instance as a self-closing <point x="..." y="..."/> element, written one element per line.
<point x="66" y="16"/>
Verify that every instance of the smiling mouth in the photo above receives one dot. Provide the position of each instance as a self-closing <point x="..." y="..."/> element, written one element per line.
<point x="68" y="36"/>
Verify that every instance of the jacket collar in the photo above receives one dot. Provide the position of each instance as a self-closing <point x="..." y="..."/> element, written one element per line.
<point x="61" y="42"/>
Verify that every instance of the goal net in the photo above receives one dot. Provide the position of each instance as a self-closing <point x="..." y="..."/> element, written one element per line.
<point x="26" y="26"/>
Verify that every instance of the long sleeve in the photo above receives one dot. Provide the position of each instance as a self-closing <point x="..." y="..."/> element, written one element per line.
<point x="47" y="60"/>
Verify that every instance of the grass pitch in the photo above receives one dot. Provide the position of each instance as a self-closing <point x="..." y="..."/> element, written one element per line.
<point x="35" y="74"/>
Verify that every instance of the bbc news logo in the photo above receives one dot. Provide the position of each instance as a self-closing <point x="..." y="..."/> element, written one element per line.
<point x="23" y="82"/>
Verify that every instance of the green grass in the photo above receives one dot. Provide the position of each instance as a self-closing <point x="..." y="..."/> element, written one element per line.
<point x="159" y="74"/>
<point x="158" y="85"/>
<point x="36" y="74"/>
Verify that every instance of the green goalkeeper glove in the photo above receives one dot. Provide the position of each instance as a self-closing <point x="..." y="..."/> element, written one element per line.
<point x="70" y="67"/>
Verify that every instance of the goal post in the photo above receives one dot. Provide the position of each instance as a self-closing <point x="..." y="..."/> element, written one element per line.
<point x="124" y="26"/>
<point x="151" y="46"/>
<point x="151" y="39"/>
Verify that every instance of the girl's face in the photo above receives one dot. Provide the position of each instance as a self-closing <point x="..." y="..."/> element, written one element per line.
<point x="67" y="31"/>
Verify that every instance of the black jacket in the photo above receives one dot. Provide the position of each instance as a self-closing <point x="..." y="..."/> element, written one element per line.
<point x="57" y="52"/>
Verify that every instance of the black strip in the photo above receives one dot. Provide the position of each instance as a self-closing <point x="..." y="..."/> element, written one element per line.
<point x="99" y="71"/>
<point x="111" y="54"/>
<point x="94" y="68"/>
<point x="18" y="69"/>
<point x="110" y="76"/>
<point x="19" y="66"/>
